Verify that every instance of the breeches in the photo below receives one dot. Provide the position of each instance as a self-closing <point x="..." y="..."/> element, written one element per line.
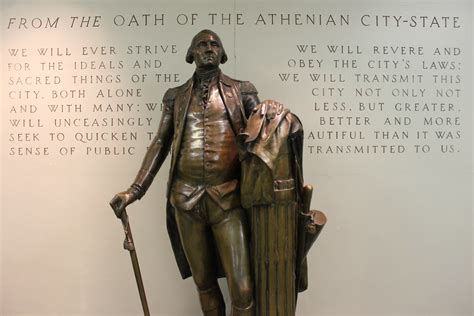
<point x="207" y="229"/>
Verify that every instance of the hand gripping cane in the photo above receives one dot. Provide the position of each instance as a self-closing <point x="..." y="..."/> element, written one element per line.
<point x="130" y="246"/>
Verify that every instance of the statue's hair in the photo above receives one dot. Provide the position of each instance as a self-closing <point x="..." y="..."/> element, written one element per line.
<point x="190" y="55"/>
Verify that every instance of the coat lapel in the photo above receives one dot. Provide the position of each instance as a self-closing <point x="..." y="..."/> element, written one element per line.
<point x="183" y="98"/>
<point x="231" y="98"/>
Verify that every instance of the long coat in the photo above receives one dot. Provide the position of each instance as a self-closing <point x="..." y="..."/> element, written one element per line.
<point x="239" y="98"/>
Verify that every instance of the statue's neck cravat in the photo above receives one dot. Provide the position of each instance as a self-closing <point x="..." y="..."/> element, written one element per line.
<point x="203" y="79"/>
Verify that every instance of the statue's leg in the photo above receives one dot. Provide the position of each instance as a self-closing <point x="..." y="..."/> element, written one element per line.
<point x="230" y="233"/>
<point x="197" y="242"/>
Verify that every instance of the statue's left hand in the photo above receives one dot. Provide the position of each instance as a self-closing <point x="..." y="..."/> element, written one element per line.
<point x="274" y="108"/>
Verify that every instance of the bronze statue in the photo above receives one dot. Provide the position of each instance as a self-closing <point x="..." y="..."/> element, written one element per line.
<point x="199" y="124"/>
<point x="229" y="151"/>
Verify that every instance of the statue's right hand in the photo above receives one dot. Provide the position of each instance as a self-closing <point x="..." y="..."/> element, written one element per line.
<point x="121" y="200"/>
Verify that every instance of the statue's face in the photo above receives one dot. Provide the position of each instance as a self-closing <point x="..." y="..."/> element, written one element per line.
<point x="207" y="51"/>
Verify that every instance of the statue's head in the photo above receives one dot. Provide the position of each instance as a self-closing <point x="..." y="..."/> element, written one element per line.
<point x="206" y="50"/>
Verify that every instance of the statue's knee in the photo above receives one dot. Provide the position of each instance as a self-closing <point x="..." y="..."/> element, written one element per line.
<point x="242" y="296"/>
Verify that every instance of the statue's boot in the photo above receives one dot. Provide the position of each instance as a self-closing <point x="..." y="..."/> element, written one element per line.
<point x="245" y="311"/>
<point x="212" y="302"/>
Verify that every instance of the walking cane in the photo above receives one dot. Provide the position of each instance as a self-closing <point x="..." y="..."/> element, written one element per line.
<point x="130" y="246"/>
